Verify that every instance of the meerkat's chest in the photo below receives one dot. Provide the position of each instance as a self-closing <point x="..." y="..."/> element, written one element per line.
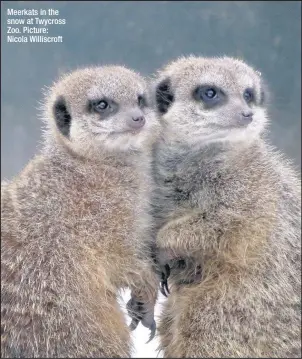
<point x="104" y="201"/>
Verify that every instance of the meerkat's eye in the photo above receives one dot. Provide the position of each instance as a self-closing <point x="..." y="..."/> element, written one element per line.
<point x="141" y="101"/>
<point x="104" y="107"/>
<point x="101" y="106"/>
<point x="248" y="95"/>
<point x="210" y="95"/>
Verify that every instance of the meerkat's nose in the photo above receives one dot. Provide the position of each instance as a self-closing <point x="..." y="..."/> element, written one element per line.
<point x="247" y="116"/>
<point x="136" y="121"/>
<point x="139" y="119"/>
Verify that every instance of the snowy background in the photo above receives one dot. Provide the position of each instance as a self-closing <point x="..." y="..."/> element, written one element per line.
<point x="144" y="35"/>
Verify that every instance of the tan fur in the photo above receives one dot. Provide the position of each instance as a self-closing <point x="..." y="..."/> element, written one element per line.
<point x="232" y="204"/>
<point x="74" y="226"/>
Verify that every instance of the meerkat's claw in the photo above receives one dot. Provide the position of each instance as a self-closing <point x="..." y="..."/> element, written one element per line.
<point x="153" y="331"/>
<point x="134" y="323"/>
<point x="167" y="268"/>
<point x="166" y="287"/>
<point x="165" y="272"/>
<point x="162" y="290"/>
<point x="164" y="280"/>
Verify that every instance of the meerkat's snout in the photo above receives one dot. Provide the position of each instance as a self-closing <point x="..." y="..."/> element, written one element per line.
<point x="247" y="117"/>
<point x="135" y="119"/>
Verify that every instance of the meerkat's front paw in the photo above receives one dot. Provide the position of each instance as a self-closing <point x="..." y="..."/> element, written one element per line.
<point x="181" y="269"/>
<point x="141" y="312"/>
<point x="164" y="275"/>
<point x="186" y="271"/>
<point x="161" y="258"/>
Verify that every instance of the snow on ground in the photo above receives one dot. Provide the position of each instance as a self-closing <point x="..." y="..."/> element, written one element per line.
<point x="141" y="334"/>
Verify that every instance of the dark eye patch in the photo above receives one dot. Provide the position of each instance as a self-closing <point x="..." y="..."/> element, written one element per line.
<point x="103" y="106"/>
<point x="62" y="116"/>
<point x="141" y="100"/>
<point x="249" y="95"/>
<point x="164" y="96"/>
<point x="211" y="96"/>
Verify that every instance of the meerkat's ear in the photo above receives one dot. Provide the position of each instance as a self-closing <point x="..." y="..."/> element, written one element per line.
<point x="62" y="116"/>
<point x="164" y="96"/>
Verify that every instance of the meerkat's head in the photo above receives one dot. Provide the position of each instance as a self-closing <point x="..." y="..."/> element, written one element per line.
<point x="101" y="108"/>
<point x="205" y="100"/>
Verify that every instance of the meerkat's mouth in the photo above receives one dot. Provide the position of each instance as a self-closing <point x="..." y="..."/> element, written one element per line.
<point x="134" y="132"/>
<point x="127" y="132"/>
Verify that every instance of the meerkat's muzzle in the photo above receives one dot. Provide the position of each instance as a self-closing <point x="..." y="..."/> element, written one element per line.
<point x="247" y="117"/>
<point x="135" y="119"/>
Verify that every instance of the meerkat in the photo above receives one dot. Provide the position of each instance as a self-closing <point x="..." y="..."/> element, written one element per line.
<point x="74" y="222"/>
<point x="227" y="208"/>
